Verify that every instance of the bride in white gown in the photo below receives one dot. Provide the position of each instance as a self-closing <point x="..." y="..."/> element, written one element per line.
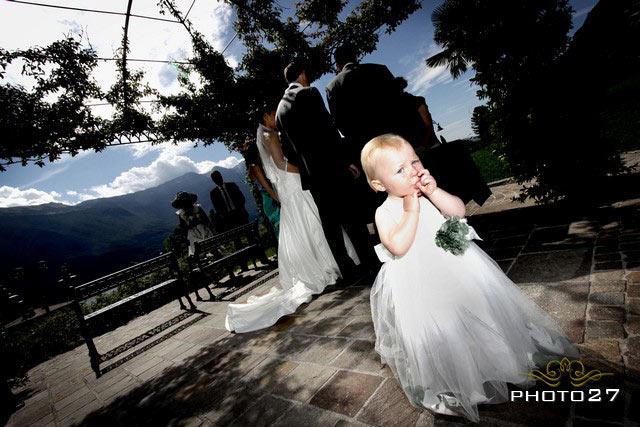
<point x="306" y="264"/>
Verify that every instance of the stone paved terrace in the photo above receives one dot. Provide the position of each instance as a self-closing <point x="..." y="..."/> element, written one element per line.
<point x="319" y="368"/>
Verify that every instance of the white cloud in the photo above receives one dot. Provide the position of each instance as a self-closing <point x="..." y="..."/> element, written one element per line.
<point x="149" y="39"/>
<point x="457" y="129"/>
<point x="220" y="20"/>
<point x="167" y="149"/>
<point x="84" y="197"/>
<point x="58" y="167"/>
<point x="51" y="172"/>
<point x="221" y="16"/>
<point x="423" y="77"/>
<point x="169" y="165"/>
<point x="66" y="158"/>
<point x="463" y="81"/>
<point x="229" y="162"/>
<point x="11" y="196"/>
<point x="582" y="11"/>
<point x="168" y="74"/>
<point x="453" y="108"/>
<point x="73" y="26"/>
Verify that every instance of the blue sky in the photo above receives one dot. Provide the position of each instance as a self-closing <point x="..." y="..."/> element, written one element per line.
<point x="125" y="169"/>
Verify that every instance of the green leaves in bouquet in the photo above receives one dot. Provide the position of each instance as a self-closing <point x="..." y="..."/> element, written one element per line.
<point x="452" y="236"/>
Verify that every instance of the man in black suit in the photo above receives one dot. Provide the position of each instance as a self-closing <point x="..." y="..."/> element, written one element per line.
<point x="366" y="101"/>
<point x="228" y="201"/>
<point x="311" y="141"/>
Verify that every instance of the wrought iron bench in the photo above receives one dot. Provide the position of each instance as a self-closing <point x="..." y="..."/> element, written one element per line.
<point x="212" y="256"/>
<point x="160" y="274"/>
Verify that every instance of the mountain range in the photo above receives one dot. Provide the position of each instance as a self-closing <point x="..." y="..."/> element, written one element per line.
<point x="100" y="236"/>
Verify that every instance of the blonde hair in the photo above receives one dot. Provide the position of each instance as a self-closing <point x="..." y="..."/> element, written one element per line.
<point x="372" y="149"/>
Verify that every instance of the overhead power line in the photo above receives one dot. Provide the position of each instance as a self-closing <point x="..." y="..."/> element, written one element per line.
<point x="185" y="16"/>
<point x="107" y="12"/>
<point x="229" y="44"/>
<point x="165" y="61"/>
<point x="100" y="104"/>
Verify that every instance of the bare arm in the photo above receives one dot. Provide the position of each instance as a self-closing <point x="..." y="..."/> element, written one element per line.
<point x="426" y="116"/>
<point x="257" y="173"/>
<point x="275" y="149"/>
<point x="423" y="110"/>
<point x="447" y="204"/>
<point x="398" y="237"/>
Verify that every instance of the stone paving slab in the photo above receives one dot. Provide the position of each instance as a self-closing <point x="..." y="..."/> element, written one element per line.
<point x="571" y="265"/>
<point x="319" y="366"/>
<point x="346" y="392"/>
<point x="303" y="382"/>
<point x="308" y="416"/>
<point x="389" y="407"/>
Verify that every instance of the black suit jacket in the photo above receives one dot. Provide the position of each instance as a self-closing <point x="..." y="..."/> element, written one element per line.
<point x="309" y="138"/>
<point x="236" y="197"/>
<point x="366" y="101"/>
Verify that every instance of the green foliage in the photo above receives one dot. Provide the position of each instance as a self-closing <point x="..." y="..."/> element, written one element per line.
<point x="492" y="163"/>
<point x="40" y="340"/>
<point x="54" y="117"/>
<point x="220" y="109"/>
<point x="452" y="236"/>
<point x="481" y="120"/>
<point x="211" y="111"/>
<point x="508" y="43"/>
<point x="267" y="238"/>
<point x="323" y="13"/>
<point x="125" y="95"/>
<point x="33" y="126"/>
<point x="29" y="345"/>
<point x="216" y="109"/>
<point x="536" y="104"/>
<point x="620" y="115"/>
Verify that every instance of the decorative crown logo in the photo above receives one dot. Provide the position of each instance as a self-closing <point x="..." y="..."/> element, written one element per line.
<point x="555" y="369"/>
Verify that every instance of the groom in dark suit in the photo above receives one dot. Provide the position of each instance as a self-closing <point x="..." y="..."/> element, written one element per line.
<point x="366" y="101"/>
<point x="311" y="141"/>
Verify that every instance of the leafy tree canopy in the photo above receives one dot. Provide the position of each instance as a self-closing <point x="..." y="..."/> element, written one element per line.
<point x="217" y="107"/>
<point x="272" y="40"/>
<point x="33" y="127"/>
<point x="54" y="117"/>
<point x="535" y="99"/>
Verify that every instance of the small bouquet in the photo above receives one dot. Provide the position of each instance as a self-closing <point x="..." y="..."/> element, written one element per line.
<point x="455" y="234"/>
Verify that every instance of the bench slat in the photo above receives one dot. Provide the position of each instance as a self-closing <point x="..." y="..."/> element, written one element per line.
<point x="227" y="258"/>
<point x="204" y="246"/>
<point x="113" y="280"/>
<point x="129" y="298"/>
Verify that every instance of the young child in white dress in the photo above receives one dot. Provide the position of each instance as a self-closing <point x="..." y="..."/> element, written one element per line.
<point x="453" y="328"/>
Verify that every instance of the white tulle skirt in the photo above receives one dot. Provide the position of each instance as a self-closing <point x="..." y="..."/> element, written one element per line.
<point x="455" y="329"/>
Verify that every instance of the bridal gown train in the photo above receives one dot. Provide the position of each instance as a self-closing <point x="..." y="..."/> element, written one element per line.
<point x="306" y="264"/>
<point x="456" y="329"/>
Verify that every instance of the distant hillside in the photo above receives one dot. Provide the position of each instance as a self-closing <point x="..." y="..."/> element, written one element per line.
<point x="102" y="235"/>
